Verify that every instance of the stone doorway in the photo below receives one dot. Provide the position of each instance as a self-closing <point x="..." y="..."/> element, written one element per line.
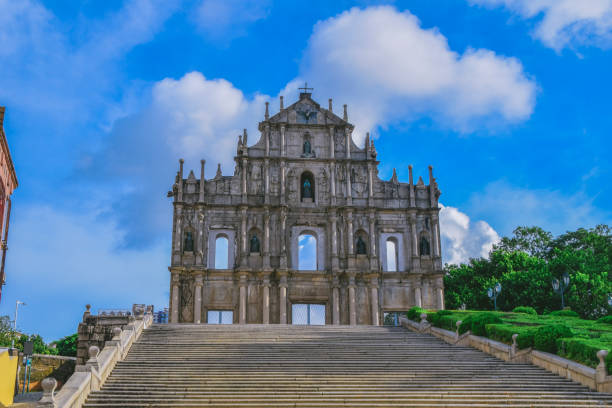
<point x="308" y="314"/>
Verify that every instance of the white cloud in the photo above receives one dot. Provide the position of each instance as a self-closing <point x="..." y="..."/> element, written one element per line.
<point x="70" y="72"/>
<point x="564" y="23"/>
<point x="391" y="69"/>
<point x="192" y="118"/>
<point x="463" y="239"/>
<point x="59" y="261"/>
<point x="507" y="206"/>
<point x="228" y="19"/>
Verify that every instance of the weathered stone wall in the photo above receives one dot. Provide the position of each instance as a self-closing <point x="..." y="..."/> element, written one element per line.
<point x="349" y="210"/>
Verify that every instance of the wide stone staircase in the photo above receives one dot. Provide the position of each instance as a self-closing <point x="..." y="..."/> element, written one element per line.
<point x="323" y="366"/>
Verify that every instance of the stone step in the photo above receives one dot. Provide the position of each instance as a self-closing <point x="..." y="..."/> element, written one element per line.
<point x="323" y="366"/>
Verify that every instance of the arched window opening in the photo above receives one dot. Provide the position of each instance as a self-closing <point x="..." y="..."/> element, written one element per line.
<point x="254" y="246"/>
<point x="188" y="242"/>
<point x="424" y="246"/>
<point x="360" y="246"/>
<point x="221" y="253"/>
<point x="307" y="187"/>
<point x="307" y="252"/>
<point x="391" y="255"/>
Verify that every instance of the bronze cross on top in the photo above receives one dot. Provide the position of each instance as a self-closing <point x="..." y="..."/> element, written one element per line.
<point x="306" y="88"/>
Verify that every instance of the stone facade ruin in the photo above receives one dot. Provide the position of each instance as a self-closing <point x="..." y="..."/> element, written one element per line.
<point x="377" y="242"/>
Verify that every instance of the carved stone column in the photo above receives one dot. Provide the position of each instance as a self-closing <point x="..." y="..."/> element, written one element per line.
<point x="336" y="302"/>
<point x="439" y="297"/>
<point x="282" y="286"/>
<point x="283" y="145"/>
<point x="180" y="180"/>
<point x="245" y="169"/>
<point x="334" y="240"/>
<point x="242" y="312"/>
<point x="332" y="177"/>
<point x="267" y="136"/>
<point x="374" y="300"/>
<point x="351" y="291"/>
<point x="266" y="243"/>
<point x="266" y="181"/>
<point x="347" y="134"/>
<point x="197" y="304"/>
<point x="283" y="239"/>
<point x="332" y="146"/>
<point x="349" y="191"/>
<point x="265" y="309"/>
<point x="174" y="285"/>
<point x="373" y="237"/>
<point x="370" y="185"/>
<point x="243" y="237"/>
<point x="435" y="237"/>
<point x="349" y="232"/>
<point x="282" y="183"/>
<point x="418" y="299"/>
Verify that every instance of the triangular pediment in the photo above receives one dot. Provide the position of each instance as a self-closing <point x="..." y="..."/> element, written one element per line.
<point x="307" y="111"/>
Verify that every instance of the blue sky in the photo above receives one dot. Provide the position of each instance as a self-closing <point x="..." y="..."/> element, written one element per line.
<point x="507" y="99"/>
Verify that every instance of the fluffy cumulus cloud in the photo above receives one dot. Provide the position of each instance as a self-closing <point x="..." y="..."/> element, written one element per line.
<point x="59" y="261"/>
<point x="392" y="69"/>
<point x="506" y="206"/>
<point x="564" y="23"/>
<point x="463" y="238"/>
<point x="192" y="118"/>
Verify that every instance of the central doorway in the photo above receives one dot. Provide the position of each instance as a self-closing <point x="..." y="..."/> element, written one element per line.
<point x="308" y="313"/>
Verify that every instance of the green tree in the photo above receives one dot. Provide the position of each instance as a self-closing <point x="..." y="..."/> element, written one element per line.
<point x="67" y="346"/>
<point x="532" y="240"/>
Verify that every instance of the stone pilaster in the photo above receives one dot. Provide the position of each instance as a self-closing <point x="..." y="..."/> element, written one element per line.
<point x="336" y="301"/>
<point x="174" y="289"/>
<point x="266" y="181"/>
<point x="266" y="241"/>
<point x="334" y="240"/>
<point x="282" y="289"/>
<point x="265" y="307"/>
<point x="332" y="146"/>
<point x="242" y="312"/>
<point x="374" y="299"/>
<point x="418" y="298"/>
<point x="349" y="189"/>
<point x="202" y="181"/>
<point x="352" y="306"/>
<point x="197" y="304"/>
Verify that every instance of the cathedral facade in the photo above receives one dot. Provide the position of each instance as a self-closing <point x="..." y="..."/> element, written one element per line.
<point x="236" y="240"/>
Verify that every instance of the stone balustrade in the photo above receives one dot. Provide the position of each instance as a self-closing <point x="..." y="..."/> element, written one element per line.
<point x="595" y="378"/>
<point x="92" y="375"/>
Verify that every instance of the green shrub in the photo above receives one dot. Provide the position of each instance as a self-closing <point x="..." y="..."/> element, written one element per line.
<point x="442" y="319"/>
<point x="68" y="345"/>
<point x="415" y="313"/>
<point x="477" y="323"/>
<point x="503" y="332"/>
<point x="605" y="319"/>
<point x="583" y="351"/>
<point x="564" y="313"/>
<point x="525" y="309"/>
<point x="545" y="338"/>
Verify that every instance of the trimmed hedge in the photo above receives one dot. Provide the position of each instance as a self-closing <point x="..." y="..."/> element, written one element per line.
<point x="415" y="313"/>
<point x="545" y="338"/>
<point x="583" y="351"/>
<point x="477" y="323"/>
<point x="525" y="309"/>
<point x="605" y="319"/>
<point x="442" y="319"/>
<point x="503" y="332"/>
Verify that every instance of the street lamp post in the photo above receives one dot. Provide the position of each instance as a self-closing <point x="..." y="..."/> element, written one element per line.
<point x="560" y="286"/>
<point x="17" y="303"/>
<point x="494" y="292"/>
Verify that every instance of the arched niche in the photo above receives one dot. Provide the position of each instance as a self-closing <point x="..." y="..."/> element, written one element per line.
<point x="307" y="187"/>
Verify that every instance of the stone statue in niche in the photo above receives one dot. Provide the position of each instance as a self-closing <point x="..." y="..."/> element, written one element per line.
<point x="255" y="244"/>
<point x="424" y="246"/>
<point x="307" y="189"/>
<point x="361" y="246"/>
<point x="188" y="244"/>
<point x="307" y="147"/>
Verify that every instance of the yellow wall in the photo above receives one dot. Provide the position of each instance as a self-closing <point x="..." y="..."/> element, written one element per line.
<point x="8" y="372"/>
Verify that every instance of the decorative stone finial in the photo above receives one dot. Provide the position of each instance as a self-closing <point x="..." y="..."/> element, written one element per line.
<point x="330" y="105"/>
<point x="601" y="355"/>
<point x="267" y="115"/>
<point x="430" y="174"/>
<point x="219" y="174"/>
<point x="87" y="307"/>
<point x="345" y="117"/>
<point x="49" y="385"/>
<point x="410" y="179"/>
<point x="94" y="351"/>
<point x="423" y="317"/>
<point x="116" y="332"/>
<point x="282" y="105"/>
<point x="244" y="137"/>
